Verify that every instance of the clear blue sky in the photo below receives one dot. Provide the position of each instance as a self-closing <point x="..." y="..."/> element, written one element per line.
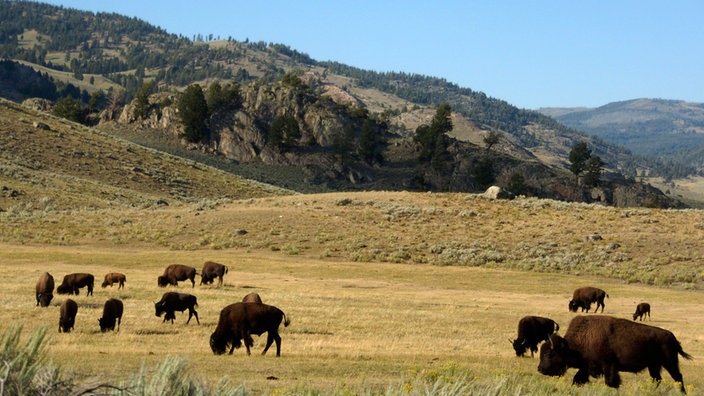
<point x="541" y="53"/>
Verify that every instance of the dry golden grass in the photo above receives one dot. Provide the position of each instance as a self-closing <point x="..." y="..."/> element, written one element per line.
<point x="352" y="271"/>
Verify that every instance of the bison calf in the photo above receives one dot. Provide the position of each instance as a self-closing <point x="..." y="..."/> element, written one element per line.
<point x="602" y="345"/>
<point x="531" y="331"/>
<point x="45" y="289"/>
<point x="585" y="296"/>
<point x="67" y="317"/>
<point x="114" y="277"/>
<point x="112" y="312"/>
<point x="73" y="282"/>
<point x="642" y="309"/>
<point x="172" y="301"/>
<point x="175" y="273"/>
<point x="240" y="320"/>
<point x="210" y="271"/>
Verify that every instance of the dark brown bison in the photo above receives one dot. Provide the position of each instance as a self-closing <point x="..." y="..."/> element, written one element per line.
<point x="531" y="331"/>
<point x="252" y="298"/>
<point x="114" y="277"/>
<point x="240" y="320"/>
<point x="177" y="272"/>
<point x="45" y="289"/>
<point x="112" y="311"/>
<point x="172" y="301"/>
<point x="210" y="271"/>
<point x="602" y="345"/>
<point x="642" y="309"/>
<point x="585" y="296"/>
<point x="72" y="282"/>
<point x="67" y="317"/>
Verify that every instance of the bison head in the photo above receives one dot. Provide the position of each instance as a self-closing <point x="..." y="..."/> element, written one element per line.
<point x="44" y="299"/>
<point x="162" y="281"/>
<point x="64" y="289"/>
<point x="553" y="360"/>
<point x="66" y="324"/>
<point x="218" y="343"/>
<point x="519" y="346"/>
<point x="159" y="308"/>
<point x="572" y="306"/>
<point x="103" y="324"/>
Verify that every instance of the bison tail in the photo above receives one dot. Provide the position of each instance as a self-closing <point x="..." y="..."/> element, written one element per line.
<point x="685" y="354"/>
<point x="557" y="327"/>
<point x="287" y="321"/>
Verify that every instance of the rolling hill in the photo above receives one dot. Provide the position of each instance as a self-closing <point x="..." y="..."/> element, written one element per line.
<point x="115" y="54"/>
<point x="671" y="130"/>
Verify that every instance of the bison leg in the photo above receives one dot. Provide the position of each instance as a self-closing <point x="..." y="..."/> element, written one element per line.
<point x="248" y="342"/>
<point x="192" y="312"/>
<point x="271" y="338"/>
<point x="611" y="377"/>
<point x="533" y="349"/>
<point x="654" y="371"/>
<point x="581" y="377"/>
<point x="674" y="371"/>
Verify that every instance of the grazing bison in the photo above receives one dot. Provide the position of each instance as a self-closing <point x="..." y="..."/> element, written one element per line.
<point x="252" y="298"/>
<point x="603" y="345"/>
<point x="177" y="272"/>
<point x="642" y="309"/>
<point x="172" y="301"/>
<point x="112" y="311"/>
<point x="114" y="277"/>
<point x="240" y="320"/>
<point x="585" y="296"/>
<point x="531" y="331"/>
<point x="67" y="317"/>
<point x="210" y="271"/>
<point x="45" y="289"/>
<point x="73" y="282"/>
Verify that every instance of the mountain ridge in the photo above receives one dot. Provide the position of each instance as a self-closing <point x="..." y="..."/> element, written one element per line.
<point x="131" y="55"/>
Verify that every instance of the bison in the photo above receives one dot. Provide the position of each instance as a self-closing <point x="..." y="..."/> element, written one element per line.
<point x="45" y="289"/>
<point x="585" y="296"/>
<point x="252" y="298"/>
<point x="210" y="271"/>
<point x="72" y="282"/>
<point x="172" y="301"/>
<point x="67" y="317"/>
<point x="240" y="320"/>
<point x="112" y="311"/>
<point x="603" y="345"/>
<point x="531" y="331"/>
<point x="114" y="277"/>
<point x="177" y="272"/>
<point x="642" y="309"/>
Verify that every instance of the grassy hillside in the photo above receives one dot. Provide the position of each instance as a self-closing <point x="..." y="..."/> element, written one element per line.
<point x="387" y="292"/>
<point x="52" y="164"/>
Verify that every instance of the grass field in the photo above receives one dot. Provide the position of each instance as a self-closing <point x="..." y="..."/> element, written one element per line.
<point x="359" y="324"/>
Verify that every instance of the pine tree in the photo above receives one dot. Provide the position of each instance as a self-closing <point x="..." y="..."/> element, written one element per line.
<point x="193" y="111"/>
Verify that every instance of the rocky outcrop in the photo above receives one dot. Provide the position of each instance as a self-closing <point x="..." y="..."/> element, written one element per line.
<point x="240" y="131"/>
